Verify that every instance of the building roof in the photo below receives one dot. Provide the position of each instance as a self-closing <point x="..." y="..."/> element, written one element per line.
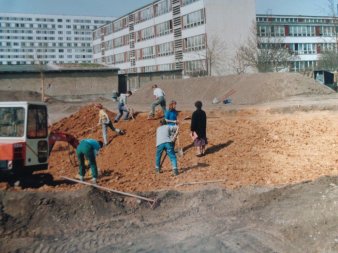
<point x="55" y="68"/>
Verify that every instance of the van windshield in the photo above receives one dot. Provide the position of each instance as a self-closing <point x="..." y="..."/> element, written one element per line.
<point x="12" y="121"/>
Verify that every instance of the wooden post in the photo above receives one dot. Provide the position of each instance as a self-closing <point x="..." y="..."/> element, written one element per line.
<point x="42" y="77"/>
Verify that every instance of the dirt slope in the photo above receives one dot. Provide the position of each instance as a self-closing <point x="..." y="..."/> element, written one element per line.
<point x="250" y="88"/>
<point x="245" y="148"/>
<point x="296" y="218"/>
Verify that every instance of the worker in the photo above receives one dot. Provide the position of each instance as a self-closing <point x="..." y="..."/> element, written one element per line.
<point x="106" y="122"/>
<point x="198" y="129"/>
<point x="122" y="106"/>
<point x="170" y="115"/>
<point x="88" y="148"/>
<point x="159" y="100"/>
<point x="165" y="142"/>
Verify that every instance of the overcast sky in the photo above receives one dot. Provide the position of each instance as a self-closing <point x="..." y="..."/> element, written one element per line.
<point x="117" y="8"/>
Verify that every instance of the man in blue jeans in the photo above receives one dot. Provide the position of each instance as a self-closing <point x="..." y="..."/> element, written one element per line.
<point x="165" y="142"/>
<point x="122" y="106"/>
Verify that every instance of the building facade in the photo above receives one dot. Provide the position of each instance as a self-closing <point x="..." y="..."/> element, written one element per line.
<point x="305" y="36"/>
<point x="171" y="35"/>
<point x="35" y="38"/>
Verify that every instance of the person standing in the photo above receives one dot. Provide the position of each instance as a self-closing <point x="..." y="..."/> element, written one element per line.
<point x="198" y="129"/>
<point x="165" y="143"/>
<point x="106" y="122"/>
<point x="159" y="100"/>
<point x="170" y="115"/>
<point x="122" y="106"/>
<point x="88" y="148"/>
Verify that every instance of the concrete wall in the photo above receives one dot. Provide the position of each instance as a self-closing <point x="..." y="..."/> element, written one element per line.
<point x="62" y="83"/>
<point x="137" y="80"/>
<point x="231" y="22"/>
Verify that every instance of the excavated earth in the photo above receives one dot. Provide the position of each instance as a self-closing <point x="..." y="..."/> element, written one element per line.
<point x="268" y="182"/>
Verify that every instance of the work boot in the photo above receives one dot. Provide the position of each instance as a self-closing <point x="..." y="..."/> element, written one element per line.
<point x="175" y="172"/>
<point x="158" y="170"/>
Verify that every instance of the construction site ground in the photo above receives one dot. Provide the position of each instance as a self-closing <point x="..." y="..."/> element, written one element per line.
<point x="267" y="183"/>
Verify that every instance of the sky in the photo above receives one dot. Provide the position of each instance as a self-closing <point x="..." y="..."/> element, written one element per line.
<point x="118" y="8"/>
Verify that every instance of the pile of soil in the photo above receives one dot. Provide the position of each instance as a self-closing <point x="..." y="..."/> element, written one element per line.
<point x="296" y="218"/>
<point x="256" y="190"/>
<point x="245" y="148"/>
<point x="249" y="88"/>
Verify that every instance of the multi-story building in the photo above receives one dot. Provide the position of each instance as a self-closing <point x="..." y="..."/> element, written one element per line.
<point x="176" y="35"/>
<point x="305" y="36"/>
<point x="35" y="38"/>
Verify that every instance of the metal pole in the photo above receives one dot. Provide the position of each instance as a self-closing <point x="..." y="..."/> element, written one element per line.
<point x="110" y="190"/>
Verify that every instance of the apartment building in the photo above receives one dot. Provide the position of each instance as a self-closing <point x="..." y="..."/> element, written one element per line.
<point x="35" y="38"/>
<point x="305" y="36"/>
<point x="175" y="35"/>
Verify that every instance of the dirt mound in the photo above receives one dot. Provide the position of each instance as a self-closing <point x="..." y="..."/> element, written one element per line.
<point x="245" y="148"/>
<point x="297" y="218"/>
<point x="250" y="88"/>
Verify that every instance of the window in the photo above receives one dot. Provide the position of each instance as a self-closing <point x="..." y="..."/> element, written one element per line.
<point x="120" y="24"/>
<point x="118" y="42"/>
<point x="303" y="48"/>
<point x="146" y="53"/>
<point x="119" y="58"/>
<point x="145" y="14"/>
<point x="194" y="43"/>
<point x="162" y="7"/>
<point x="301" y="31"/>
<point x="37" y="122"/>
<point x="186" y="2"/>
<point x="164" y="28"/>
<point x="146" y="33"/>
<point x="193" y="19"/>
<point x="195" y="68"/>
<point x="165" y="49"/>
<point x="12" y="121"/>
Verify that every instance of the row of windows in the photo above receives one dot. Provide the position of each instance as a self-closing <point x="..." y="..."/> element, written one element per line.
<point x="296" y="20"/>
<point x="48" y="26"/>
<point x="194" y="43"/>
<point x="297" y="66"/>
<point x="147" y="13"/>
<point x="43" y="62"/>
<point x="296" y="31"/>
<point x="86" y="21"/>
<point x="20" y="31"/>
<point x="44" y="44"/>
<point x="45" y="56"/>
<point x="302" y="48"/>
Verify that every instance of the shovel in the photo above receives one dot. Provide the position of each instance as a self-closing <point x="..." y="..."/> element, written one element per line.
<point x="179" y="149"/>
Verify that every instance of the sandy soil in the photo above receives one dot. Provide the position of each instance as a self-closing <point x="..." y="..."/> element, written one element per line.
<point x="276" y="160"/>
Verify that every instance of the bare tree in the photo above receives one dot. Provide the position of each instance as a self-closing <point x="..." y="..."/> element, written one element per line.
<point x="38" y="59"/>
<point x="265" y="54"/>
<point x="328" y="58"/>
<point x="215" y="55"/>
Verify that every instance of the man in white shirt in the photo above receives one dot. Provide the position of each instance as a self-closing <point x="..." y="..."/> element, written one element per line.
<point x="159" y="100"/>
